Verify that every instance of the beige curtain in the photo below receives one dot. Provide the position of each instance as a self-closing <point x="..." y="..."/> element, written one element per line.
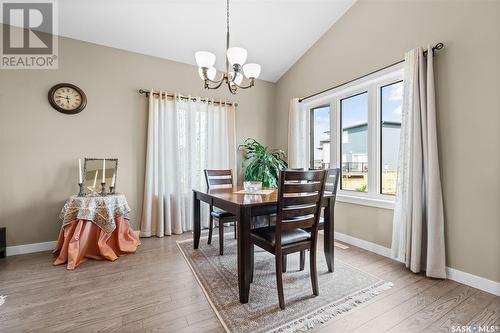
<point x="298" y="135"/>
<point x="418" y="225"/>
<point x="184" y="138"/>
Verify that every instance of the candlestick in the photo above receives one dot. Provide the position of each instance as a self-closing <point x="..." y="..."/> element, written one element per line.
<point x="113" y="180"/>
<point x="95" y="181"/>
<point x="103" y="171"/>
<point x="112" y="190"/>
<point x="80" y="171"/>
<point x="81" y="193"/>
<point x="103" y="189"/>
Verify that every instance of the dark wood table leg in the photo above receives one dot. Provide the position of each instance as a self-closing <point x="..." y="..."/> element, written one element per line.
<point x="329" y="234"/>
<point x="196" y="221"/>
<point x="244" y="255"/>
<point x="3" y="242"/>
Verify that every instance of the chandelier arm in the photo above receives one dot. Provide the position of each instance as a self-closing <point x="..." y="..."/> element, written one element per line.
<point x="216" y="86"/>
<point x="250" y="85"/>
<point x="232" y="89"/>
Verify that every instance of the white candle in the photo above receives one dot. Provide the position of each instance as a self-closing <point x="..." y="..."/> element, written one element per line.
<point x="113" y="180"/>
<point x="103" y="171"/>
<point x="80" y="171"/>
<point x="95" y="179"/>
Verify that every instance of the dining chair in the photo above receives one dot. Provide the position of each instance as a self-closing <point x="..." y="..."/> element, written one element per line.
<point x="285" y="257"/>
<point x="219" y="179"/>
<point x="299" y="206"/>
<point x="331" y="186"/>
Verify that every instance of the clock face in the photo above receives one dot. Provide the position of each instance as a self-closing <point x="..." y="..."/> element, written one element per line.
<point x="67" y="98"/>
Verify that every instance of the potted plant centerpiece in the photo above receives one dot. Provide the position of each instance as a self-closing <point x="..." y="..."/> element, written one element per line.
<point x="262" y="164"/>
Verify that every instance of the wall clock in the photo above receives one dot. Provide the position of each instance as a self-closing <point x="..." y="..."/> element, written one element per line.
<point x="67" y="98"/>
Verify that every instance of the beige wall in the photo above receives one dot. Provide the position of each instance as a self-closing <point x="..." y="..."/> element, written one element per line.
<point x="373" y="34"/>
<point x="39" y="147"/>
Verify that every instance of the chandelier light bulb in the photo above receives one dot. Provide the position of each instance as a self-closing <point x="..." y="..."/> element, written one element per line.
<point x="236" y="55"/>
<point x="251" y="70"/>
<point x="205" y="59"/>
<point x="211" y="72"/>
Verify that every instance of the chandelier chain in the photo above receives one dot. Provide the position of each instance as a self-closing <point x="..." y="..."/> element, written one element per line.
<point x="227" y="15"/>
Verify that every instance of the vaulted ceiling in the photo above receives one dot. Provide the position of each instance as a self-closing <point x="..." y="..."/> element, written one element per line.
<point x="276" y="33"/>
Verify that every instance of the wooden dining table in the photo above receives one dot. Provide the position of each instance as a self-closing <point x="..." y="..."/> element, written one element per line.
<point x="245" y="207"/>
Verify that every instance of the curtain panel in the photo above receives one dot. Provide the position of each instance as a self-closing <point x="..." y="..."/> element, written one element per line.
<point x="184" y="138"/>
<point x="298" y="135"/>
<point x="418" y="223"/>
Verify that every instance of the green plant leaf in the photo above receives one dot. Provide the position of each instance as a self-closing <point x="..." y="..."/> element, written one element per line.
<point x="261" y="163"/>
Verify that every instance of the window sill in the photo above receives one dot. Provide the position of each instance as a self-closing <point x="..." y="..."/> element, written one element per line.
<point x="365" y="201"/>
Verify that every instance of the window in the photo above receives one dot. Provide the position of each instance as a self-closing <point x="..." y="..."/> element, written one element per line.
<point x="320" y="138"/>
<point x="354" y="146"/>
<point x="356" y="128"/>
<point x="391" y="99"/>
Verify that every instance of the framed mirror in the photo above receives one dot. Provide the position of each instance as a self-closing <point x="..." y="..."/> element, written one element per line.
<point x="93" y="174"/>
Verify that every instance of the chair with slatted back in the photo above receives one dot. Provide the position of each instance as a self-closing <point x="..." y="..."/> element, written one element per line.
<point x="299" y="207"/>
<point x="331" y="185"/>
<point x="219" y="179"/>
<point x="285" y="258"/>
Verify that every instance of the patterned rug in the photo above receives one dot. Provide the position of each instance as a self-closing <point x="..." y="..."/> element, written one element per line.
<point x="340" y="291"/>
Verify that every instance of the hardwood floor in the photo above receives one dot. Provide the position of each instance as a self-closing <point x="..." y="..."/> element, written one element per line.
<point x="154" y="290"/>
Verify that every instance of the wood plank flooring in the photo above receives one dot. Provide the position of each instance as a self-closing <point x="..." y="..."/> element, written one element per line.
<point x="154" y="290"/>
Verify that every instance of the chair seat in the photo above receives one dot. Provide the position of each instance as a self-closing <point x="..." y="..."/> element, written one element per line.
<point x="221" y="214"/>
<point x="287" y="237"/>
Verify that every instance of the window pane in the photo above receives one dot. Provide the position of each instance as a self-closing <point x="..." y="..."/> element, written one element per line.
<point x="391" y="104"/>
<point x="354" y="148"/>
<point x="320" y="138"/>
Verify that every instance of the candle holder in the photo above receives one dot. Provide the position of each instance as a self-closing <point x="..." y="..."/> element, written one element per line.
<point x="81" y="192"/>
<point x="103" y="189"/>
<point x="112" y="190"/>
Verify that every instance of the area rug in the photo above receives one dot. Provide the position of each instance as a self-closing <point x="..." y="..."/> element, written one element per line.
<point x="340" y="291"/>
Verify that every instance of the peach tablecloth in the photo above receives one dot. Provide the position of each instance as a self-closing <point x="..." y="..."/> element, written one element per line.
<point x="82" y="239"/>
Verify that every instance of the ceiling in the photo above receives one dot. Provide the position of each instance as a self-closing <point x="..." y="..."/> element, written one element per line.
<point x="276" y="33"/>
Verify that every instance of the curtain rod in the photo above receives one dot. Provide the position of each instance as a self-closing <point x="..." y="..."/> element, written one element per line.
<point x="146" y="92"/>
<point x="438" y="46"/>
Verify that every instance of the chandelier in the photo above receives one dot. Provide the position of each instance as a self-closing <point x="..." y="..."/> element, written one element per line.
<point x="233" y="77"/>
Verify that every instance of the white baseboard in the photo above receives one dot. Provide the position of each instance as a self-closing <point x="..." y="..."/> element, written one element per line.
<point x="372" y="247"/>
<point x="30" y="248"/>
<point x="475" y="281"/>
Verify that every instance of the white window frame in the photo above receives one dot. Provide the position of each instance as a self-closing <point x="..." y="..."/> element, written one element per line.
<point x="373" y="84"/>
